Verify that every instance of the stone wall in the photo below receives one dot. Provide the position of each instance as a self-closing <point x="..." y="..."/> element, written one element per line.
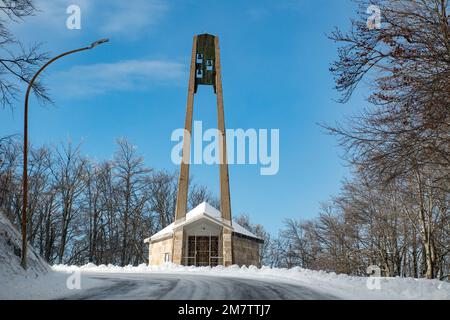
<point x="245" y="251"/>
<point x="234" y="248"/>
<point x="227" y="247"/>
<point x="159" y="249"/>
<point x="177" y="252"/>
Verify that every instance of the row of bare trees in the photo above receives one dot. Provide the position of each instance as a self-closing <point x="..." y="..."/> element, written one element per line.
<point x="402" y="228"/>
<point x="82" y="211"/>
<point x="394" y="212"/>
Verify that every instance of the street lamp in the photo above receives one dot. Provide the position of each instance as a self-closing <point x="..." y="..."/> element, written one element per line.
<point x="25" y="146"/>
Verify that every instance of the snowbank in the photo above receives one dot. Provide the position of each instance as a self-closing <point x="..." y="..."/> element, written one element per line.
<point x="10" y="254"/>
<point x="39" y="281"/>
<point x="342" y="286"/>
<point x="15" y="281"/>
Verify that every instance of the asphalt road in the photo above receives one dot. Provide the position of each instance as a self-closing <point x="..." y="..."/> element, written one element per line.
<point x="192" y="287"/>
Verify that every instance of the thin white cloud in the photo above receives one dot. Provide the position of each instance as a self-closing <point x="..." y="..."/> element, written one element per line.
<point x="98" y="18"/>
<point x="129" y="75"/>
<point x="131" y="17"/>
<point x="51" y="17"/>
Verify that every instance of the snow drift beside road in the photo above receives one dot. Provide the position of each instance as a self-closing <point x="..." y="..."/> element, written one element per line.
<point x="342" y="286"/>
<point x="39" y="281"/>
<point x="11" y="251"/>
<point x="15" y="281"/>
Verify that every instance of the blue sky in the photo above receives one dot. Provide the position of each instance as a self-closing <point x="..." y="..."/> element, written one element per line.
<point x="275" y="59"/>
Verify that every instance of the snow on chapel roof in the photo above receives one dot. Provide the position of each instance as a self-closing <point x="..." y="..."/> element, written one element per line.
<point x="203" y="210"/>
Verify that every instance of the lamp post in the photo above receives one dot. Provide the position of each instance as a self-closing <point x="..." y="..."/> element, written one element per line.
<point x="25" y="146"/>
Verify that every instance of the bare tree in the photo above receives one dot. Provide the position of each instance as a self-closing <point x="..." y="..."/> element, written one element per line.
<point x="18" y="63"/>
<point x="68" y="173"/>
<point x="163" y="189"/>
<point x="403" y="139"/>
<point x="199" y="194"/>
<point x="131" y="178"/>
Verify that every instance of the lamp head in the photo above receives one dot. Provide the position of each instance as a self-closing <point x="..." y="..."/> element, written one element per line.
<point x="98" y="42"/>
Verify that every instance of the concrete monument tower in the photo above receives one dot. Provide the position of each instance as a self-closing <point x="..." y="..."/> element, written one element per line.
<point x="204" y="236"/>
<point x="205" y="70"/>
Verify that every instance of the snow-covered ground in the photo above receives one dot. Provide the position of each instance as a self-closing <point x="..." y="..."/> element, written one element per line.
<point x="11" y="250"/>
<point x="144" y="281"/>
<point x="168" y="281"/>
<point x="39" y="281"/>
<point x="339" y="286"/>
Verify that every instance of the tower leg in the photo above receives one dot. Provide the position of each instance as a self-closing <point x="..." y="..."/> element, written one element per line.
<point x="227" y="246"/>
<point x="177" y="250"/>
<point x="183" y="182"/>
<point x="225" y="206"/>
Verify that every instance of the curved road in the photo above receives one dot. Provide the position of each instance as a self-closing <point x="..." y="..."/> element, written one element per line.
<point x="193" y="287"/>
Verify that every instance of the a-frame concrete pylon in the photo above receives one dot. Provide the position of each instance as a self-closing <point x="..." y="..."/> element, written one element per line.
<point x="205" y="70"/>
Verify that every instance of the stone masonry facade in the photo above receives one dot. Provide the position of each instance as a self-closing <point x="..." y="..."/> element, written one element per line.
<point x="246" y="251"/>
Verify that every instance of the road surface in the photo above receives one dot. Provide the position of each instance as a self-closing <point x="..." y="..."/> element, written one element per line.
<point x="192" y="287"/>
